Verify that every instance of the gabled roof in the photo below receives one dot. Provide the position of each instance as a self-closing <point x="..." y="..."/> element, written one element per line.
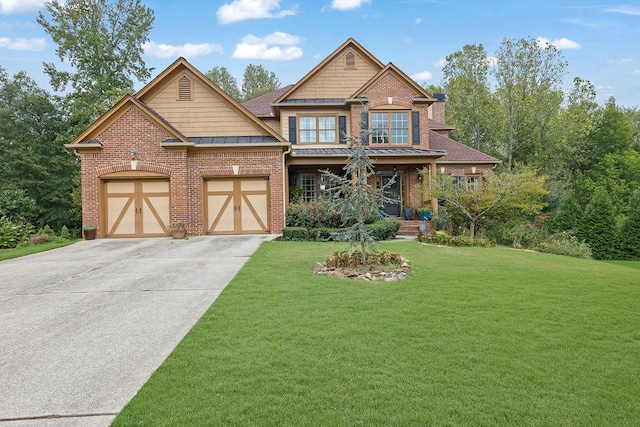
<point x="181" y="64"/>
<point x="349" y="44"/>
<point x="391" y="68"/>
<point x="261" y="106"/>
<point x="457" y="152"/>
<point x="116" y="112"/>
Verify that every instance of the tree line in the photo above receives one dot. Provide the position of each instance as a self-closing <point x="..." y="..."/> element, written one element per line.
<point x="513" y="107"/>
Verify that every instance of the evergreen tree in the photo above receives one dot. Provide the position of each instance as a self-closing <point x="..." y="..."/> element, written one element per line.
<point x="598" y="225"/>
<point x="629" y="240"/>
<point x="567" y="216"/>
<point x="353" y="198"/>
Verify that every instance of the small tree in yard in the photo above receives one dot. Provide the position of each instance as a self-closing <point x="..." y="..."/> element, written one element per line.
<point x="353" y="198"/>
<point x="522" y="190"/>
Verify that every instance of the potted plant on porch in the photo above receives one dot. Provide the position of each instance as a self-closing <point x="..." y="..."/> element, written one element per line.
<point x="425" y="213"/>
<point x="408" y="212"/>
<point x="178" y="230"/>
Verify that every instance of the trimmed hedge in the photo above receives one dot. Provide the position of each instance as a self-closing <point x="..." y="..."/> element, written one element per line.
<point x="380" y="230"/>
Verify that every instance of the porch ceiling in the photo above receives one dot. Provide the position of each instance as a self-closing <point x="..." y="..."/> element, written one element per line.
<point x="338" y="155"/>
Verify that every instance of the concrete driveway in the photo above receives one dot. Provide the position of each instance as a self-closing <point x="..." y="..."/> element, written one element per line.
<point x="83" y="327"/>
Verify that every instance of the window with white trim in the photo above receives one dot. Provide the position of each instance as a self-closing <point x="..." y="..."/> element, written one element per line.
<point x="389" y="127"/>
<point x="317" y="130"/>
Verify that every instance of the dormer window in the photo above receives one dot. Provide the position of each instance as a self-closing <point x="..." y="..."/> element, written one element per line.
<point x="185" y="89"/>
<point x="349" y="61"/>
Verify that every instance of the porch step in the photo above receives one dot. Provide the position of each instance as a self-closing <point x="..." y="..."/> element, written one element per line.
<point x="412" y="227"/>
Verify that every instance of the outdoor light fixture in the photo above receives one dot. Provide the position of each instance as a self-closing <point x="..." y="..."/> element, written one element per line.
<point x="134" y="159"/>
<point x="389" y="100"/>
<point x="236" y="169"/>
<point x="323" y="186"/>
<point x="442" y="169"/>
<point x="473" y="169"/>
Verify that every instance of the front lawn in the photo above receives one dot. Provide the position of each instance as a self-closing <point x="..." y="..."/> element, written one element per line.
<point x="33" y="249"/>
<point x="475" y="336"/>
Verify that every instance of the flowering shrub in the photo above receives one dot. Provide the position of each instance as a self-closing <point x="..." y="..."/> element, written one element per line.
<point x="312" y="215"/>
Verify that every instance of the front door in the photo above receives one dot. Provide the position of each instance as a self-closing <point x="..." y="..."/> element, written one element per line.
<point x="391" y="208"/>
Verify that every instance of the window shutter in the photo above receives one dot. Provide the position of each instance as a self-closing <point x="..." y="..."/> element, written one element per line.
<point x="292" y="129"/>
<point x="415" y="127"/>
<point x="342" y="129"/>
<point x="364" y="124"/>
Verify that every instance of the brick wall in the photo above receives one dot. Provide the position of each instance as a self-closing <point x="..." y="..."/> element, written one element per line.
<point x="185" y="170"/>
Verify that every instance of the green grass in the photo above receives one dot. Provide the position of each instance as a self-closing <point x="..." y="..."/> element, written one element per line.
<point x="475" y="336"/>
<point x="32" y="249"/>
<point x="630" y="264"/>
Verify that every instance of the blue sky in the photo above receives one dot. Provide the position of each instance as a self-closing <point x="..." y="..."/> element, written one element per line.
<point x="600" y="39"/>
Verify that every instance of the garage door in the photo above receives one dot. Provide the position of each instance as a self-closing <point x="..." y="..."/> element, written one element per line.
<point x="236" y="206"/>
<point x="136" y="208"/>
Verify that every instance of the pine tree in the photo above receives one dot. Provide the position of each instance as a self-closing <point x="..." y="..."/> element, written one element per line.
<point x="353" y="198"/>
<point x="598" y="226"/>
<point x="629" y="239"/>
<point x="567" y="216"/>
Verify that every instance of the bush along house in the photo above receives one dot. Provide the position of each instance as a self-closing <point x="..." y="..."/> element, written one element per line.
<point x="182" y="150"/>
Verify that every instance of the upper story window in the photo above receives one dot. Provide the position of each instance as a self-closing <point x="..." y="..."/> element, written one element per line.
<point x="185" y="89"/>
<point x="317" y="130"/>
<point x="389" y="127"/>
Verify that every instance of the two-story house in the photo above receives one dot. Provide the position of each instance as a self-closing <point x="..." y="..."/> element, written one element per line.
<point x="181" y="149"/>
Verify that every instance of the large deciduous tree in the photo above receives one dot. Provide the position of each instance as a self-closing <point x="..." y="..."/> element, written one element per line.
<point x="257" y="81"/>
<point x="509" y="190"/>
<point x="528" y="78"/>
<point x="103" y="43"/>
<point x="223" y="78"/>
<point x="34" y="163"/>
<point x="471" y="105"/>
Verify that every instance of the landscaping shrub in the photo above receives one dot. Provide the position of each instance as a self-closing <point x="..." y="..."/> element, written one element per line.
<point x="64" y="233"/>
<point x="565" y="244"/>
<point x="354" y="259"/>
<point x="383" y="230"/>
<point x="380" y="230"/>
<point x="441" y="237"/>
<point x="296" y="234"/>
<point x="39" y="238"/>
<point x="13" y="233"/>
<point x="312" y="215"/>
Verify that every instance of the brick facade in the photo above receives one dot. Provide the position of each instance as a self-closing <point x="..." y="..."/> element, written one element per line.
<point x="186" y="168"/>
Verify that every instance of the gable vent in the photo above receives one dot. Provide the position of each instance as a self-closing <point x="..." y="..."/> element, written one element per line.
<point x="349" y="61"/>
<point x="185" y="89"/>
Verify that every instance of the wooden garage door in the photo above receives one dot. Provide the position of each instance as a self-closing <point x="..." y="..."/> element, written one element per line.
<point x="136" y="208"/>
<point x="236" y="205"/>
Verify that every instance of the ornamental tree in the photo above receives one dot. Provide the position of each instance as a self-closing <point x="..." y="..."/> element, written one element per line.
<point x="509" y="190"/>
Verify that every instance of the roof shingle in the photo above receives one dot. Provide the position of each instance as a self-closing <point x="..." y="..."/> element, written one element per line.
<point x="457" y="152"/>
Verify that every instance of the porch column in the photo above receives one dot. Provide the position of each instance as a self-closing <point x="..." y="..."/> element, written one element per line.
<point x="432" y="180"/>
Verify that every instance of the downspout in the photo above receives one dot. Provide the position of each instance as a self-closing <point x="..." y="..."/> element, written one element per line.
<point x="284" y="187"/>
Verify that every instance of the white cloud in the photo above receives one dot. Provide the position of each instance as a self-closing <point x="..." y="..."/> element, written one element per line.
<point x="20" y="6"/>
<point x="188" y="50"/>
<point x="269" y="47"/>
<point x="561" y="43"/>
<point x="422" y="76"/>
<point x="348" y="4"/>
<point x="440" y="63"/>
<point x="620" y="61"/>
<point x="34" y="44"/>
<point x="417" y="21"/>
<point x="492" y="61"/>
<point x="626" y="9"/>
<point x="241" y="10"/>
